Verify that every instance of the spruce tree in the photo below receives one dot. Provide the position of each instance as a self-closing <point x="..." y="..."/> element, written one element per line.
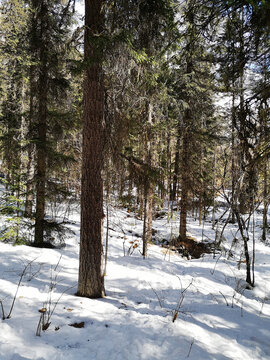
<point x="49" y="30"/>
<point x="195" y="83"/>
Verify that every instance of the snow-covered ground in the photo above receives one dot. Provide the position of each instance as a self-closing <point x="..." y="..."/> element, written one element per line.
<point x="215" y="316"/>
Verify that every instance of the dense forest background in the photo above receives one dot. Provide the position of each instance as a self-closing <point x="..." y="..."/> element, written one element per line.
<point x="172" y="99"/>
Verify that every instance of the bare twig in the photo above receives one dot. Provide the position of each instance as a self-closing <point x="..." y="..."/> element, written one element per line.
<point x="3" y="311"/>
<point x="214" y="268"/>
<point x="48" y="314"/>
<point x="176" y="311"/>
<point x="18" y="286"/>
<point x="158" y="297"/>
<point x="191" y="344"/>
<point x="56" y="266"/>
<point x="33" y="274"/>
<point x="263" y="302"/>
<point x="224" y="298"/>
<point x="124" y="247"/>
<point x="41" y="321"/>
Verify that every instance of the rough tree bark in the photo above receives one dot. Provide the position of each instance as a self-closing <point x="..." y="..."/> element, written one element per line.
<point x="41" y="125"/>
<point x="91" y="280"/>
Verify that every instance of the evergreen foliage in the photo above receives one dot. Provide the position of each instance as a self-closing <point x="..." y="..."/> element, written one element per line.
<point x="186" y="109"/>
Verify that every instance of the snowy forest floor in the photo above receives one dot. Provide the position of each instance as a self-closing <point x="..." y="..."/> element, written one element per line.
<point x="216" y="317"/>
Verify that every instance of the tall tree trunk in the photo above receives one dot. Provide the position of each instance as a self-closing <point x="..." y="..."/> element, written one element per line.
<point x="41" y="126"/>
<point x="140" y="202"/>
<point x="265" y="201"/>
<point x="169" y="161"/>
<point x="248" y="265"/>
<point x="188" y="121"/>
<point x="185" y="169"/>
<point x="233" y="169"/>
<point x="148" y="186"/>
<point x="91" y="280"/>
<point x="247" y="170"/>
<point x="176" y="163"/>
<point x="243" y="199"/>
<point x="245" y="238"/>
<point x="265" y="175"/>
<point x="29" y="184"/>
<point x="201" y="185"/>
<point x="214" y="188"/>
<point x="30" y="151"/>
<point x="148" y="217"/>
